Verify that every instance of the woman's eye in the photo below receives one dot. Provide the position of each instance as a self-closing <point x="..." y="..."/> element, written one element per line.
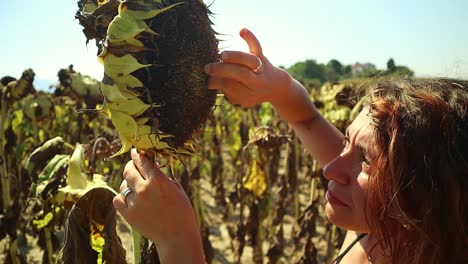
<point x="345" y="143"/>
<point x="365" y="162"/>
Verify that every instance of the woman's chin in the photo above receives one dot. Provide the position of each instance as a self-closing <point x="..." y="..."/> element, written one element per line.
<point x="331" y="214"/>
<point x="343" y="219"/>
<point x="338" y="216"/>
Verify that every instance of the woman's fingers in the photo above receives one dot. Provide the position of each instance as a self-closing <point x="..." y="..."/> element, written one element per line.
<point x="123" y="200"/>
<point x="123" y="185"/>
<point x="119" y="204"/>
<point x="147" y="168"/>
<point x="246" y="59"/>
<point x="254" y="45"/>
<point x="243" y="77"/>
<point x="235" y="92"/>
<point x="133" y="177"/>
<point x="231" y="71"/>
<point x="226" y="85"/>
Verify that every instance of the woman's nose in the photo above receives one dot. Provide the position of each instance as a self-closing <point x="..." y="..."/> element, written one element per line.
<point x="338" y="170"/>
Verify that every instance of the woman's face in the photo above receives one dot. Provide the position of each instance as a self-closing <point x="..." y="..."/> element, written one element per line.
<point x="348" y="176"/>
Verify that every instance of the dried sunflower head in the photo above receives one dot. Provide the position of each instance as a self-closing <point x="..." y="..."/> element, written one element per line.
<point x="153" y="52"/>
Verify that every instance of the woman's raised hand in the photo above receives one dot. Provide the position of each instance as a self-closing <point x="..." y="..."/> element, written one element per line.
<point x="248" y="79"/>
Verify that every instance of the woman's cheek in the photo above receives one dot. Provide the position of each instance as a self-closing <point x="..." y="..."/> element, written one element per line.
<point x="362" y="180"/>
<point x="360" y="189"/>
<point x="359" y="201"/>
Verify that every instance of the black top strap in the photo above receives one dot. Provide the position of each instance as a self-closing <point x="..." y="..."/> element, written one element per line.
<point x="338" y="259"/>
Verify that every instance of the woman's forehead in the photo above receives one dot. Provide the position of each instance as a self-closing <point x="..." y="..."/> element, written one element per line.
<point x="362" y="122"/>
<point x="362" y="133"/>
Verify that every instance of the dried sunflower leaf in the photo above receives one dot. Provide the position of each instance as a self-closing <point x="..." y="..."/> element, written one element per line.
<point x="144" y="14"/>
<point x="116" y="67"/>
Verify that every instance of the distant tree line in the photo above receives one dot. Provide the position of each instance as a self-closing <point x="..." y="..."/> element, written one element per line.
<point x="313" y="74"/>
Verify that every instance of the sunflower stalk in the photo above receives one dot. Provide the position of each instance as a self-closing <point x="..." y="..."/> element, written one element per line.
<point x="5" y="178"/>
<point x="14" y="252"/>
<point x="137" y="242"/>
<point x="49" y="245"/>
<point x="197" y="203"/>
<point x="35" y="130"/>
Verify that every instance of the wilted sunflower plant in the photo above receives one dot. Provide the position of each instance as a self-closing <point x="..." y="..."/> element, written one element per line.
<point x="154" y="87"/>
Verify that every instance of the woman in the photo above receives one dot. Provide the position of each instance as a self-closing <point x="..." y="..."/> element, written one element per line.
<point x="398" y="183"/>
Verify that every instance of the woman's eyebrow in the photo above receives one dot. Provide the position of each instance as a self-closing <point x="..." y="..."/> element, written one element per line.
<point x="347" y="133"/>
<point x="363" y="148"/>
<point x="345" y="138"/>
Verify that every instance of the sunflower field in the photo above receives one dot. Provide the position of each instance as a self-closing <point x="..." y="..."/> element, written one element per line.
<point x="257" y="195"/>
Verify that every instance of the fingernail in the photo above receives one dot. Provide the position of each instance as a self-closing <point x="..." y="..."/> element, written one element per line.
<point x="244" y="31"/>
<point x="207" y="68"/>
<point x="224" y="56"/>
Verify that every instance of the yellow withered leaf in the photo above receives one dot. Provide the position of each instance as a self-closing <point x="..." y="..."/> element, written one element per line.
<point x="75" y="176"/>
<point x="142" y="5"/>
<point x="114" y="93"/>
<point x="102" y="2"/>
<point x="124" y="123"/>
<point x="126" y="147"/>
<point x="150" y="141"/>
<point x="142" y="120"/>
<point x="129" y="94"/>
<point x="78" y="183"/>
<point x="89" y="7"/>
<point x="133" y="107"/>
<point x="131" y="41"/>
<point x="41" y="223"/>
<point x="116" y="67"/>
<point x="143" y="14"/>
<point x="124" y="27"/>
<point x="147" y="138"/>
<point x="128" y="80"/>
<point x="97" y="240"/>
<point x="127" y="128"/>
<point x="256" y="181"/>
<point x="146" y="130"/>
<point x="186" y="150"/>
<point x="123" y="82"/>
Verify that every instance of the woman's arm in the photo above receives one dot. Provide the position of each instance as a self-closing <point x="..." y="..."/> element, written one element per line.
<point x="237" y="78"/>
<point x="321" y="139"/>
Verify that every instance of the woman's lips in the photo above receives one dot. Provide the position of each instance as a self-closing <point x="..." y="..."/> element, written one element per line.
<point x="333" y="200"/>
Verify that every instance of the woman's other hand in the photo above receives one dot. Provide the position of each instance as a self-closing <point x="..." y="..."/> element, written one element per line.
<point x="248" y="79"/>
<point x="159" y="209"/>
<point x="243" y="82"/>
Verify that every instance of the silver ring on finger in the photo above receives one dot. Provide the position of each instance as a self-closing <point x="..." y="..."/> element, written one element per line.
<point x="259" y="68"/>
<point x="126" y="192"/>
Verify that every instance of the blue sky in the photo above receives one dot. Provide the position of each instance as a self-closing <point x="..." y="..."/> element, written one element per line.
<point x="430" y="37"/>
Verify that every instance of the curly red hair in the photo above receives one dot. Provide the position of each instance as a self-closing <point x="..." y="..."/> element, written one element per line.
<point x="417" y="200"/>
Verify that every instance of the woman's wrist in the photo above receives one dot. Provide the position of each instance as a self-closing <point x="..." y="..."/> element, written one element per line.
<point x="186" y="252"/>
<point x="294" y="104"/>
<point x="186" y="247"/>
